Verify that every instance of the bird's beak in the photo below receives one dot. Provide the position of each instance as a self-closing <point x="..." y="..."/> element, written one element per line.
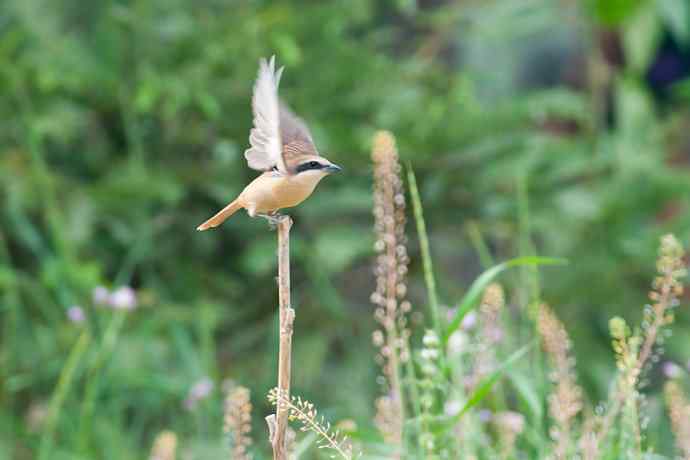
<point x="332" y="169"/>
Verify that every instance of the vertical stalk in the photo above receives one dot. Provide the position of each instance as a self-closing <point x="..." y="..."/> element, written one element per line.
<point x="392" y="306"/>
<point x="429" y="279"/>
<point x="278" y="423"/>
<point x="531" y="295"/>
<point x="60" y="393"/>
<point x="530" y="274"/>
<point x="415" y="399"/>
<point x="392" y="261"/>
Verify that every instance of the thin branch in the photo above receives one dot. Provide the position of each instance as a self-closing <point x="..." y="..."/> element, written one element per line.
<point x="287" y="317"/>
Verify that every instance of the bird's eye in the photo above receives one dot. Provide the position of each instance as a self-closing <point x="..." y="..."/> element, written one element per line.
<point x="314" y="164"/>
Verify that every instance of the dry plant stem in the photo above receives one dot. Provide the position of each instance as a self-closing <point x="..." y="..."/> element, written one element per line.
<point x="287" y="317"/>
<point x="664" y="298"/>
<point x="620" y="396"/>
<point x="392" y="304"/>
<point x="565" y="400"/>
<point x="389" y="213"/>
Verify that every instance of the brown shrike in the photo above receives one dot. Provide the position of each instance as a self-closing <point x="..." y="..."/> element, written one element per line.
<point x="281" y="147"/>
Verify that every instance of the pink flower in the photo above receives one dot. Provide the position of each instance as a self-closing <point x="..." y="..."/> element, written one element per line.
<point x="199" y="391"/>
<point x="469" y="321"/>
<point x="76" y="314"/>
<point x="671" y="370"/>
<point x="485" y="415"/>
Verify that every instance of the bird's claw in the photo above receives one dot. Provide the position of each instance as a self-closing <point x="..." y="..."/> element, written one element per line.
<point x="273" y="219"/>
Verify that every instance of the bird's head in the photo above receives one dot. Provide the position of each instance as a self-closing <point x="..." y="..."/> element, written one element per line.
<point x="315" y="165"/>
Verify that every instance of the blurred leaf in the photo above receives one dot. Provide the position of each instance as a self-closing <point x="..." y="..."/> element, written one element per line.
<point x="260" y="255"/>
<point x="527" y="392"/>
<point x="559" y="104"/>
<point x="641" y="36"/>
<point x="310" y="354"/>
<point x="676" y="14"/>
<point x="338" y="247"/>
<point x="613" y="12"/>
<point x="304" y="445"/>
<point x="634" y="107"/>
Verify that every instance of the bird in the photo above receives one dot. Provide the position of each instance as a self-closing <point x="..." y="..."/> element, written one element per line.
<point x="282" y="147"/>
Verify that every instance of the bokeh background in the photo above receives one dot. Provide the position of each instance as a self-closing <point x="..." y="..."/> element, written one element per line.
<point x="550" y="127"/>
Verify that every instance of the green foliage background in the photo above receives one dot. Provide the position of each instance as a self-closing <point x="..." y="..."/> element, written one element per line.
<point x="123" y="127"/>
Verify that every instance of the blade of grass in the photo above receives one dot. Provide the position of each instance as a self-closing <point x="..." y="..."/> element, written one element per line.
<point x="424" y="247"/>
<point x="93" y="376"/>
<point x="10" y="309"/>
<point x="531" y="295"/>
<point x="484" y="388"/>
<point x="61" y="391"/>
<point x="530" y="274"/>
<point x="528" y="394"/>
<point x="471" y="298"/>
<point x="415" y="401"/>
<point x="304" y="445"/>
<point x="480" y="246"/>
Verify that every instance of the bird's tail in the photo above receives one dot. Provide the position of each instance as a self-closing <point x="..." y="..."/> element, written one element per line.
<point x="220" y="217"/>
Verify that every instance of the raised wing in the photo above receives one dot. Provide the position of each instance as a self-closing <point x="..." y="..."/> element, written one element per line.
<point x="297" y="141"/>
<point x="294" y="130"/>
<point x="265" y="152"/>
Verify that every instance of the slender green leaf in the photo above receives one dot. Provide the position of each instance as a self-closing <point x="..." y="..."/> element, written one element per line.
<point x="472" y="296"/>
<point x="488" y="383"/>
<point x="480" y="246"/>
<point x="304" y="445"/>
<point x="61" y="390"/>
<point x="527" y="392"/>
<point x="424" y="247"/>
<point x="642" y="33"/>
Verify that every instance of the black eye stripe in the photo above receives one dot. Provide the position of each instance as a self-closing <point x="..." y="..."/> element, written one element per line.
<point x="309" y="165"/>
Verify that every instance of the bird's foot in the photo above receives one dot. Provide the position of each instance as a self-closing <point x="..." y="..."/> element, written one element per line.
<point x="273" y="219"/>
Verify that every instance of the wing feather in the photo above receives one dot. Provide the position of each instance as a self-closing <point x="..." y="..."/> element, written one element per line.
<point x="292" y="127"/>
<point x="265" y="152"/>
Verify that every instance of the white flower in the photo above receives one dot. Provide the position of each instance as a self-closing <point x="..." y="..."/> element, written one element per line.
<point x="123" y="298"/>
<point x="430" y="354"/>
<point x="430" y="339"/>
<point x="512" y="421"/>
<point x="100" y="295"/>
<point x="377" y="338"/>
<point x="452" y="408"/>
<point x="457" y="342"/>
